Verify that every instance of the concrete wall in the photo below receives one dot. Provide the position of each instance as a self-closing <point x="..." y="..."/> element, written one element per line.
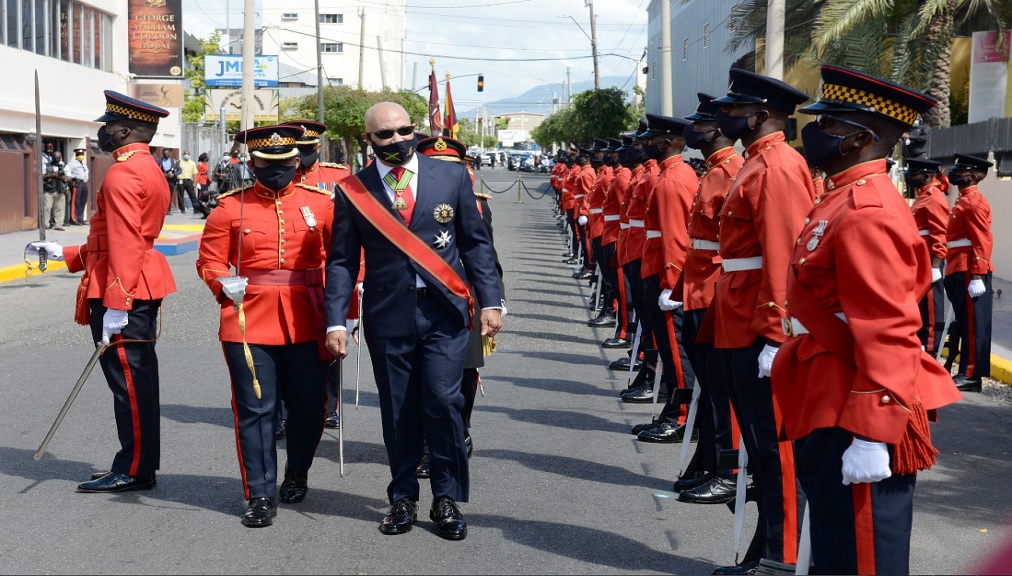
<point x="999" y="195"/>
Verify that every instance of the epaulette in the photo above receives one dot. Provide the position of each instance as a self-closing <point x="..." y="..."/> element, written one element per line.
<point x="125" y="156"/>
<point x="333" y="165"/>
<point x="482" y="195"/>
<point x="234" y="191"/>
<point x="313" y="188"/>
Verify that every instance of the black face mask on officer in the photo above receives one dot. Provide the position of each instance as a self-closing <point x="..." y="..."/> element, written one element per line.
<point x="652" y="151"/>
<point x="396" y="152"/>
<point x="734" y="127"/>
<point x="631" y="156"/>
<point x="276" y="175"/>
<point x="957" y="179"/>
<point x="821" y="147"/>
<point x="699" y="140"/>
<point x="308" y="155"/>
<point x="916" y="180"/>
<point x="105" y="140"/>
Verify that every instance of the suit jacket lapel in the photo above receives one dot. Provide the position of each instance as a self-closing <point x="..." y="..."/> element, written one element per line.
<point x="427" y="186"/>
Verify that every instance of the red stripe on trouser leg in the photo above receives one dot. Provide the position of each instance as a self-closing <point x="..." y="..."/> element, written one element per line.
<point x="790" y="492"/>
<point x="669" y="325"/>
<point x="735" y="432"/>
<point x="930" y="344"/>
<point x="971" y="340"/>
<point x="623" y="312"/>
<point x="864" y="528"/>
<point x="135" y="417"/>
<point x="238" y="441"/>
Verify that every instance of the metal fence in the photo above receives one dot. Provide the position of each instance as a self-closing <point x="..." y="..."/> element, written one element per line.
<point x="977" y="139"/>
<point x="198" y="138"/>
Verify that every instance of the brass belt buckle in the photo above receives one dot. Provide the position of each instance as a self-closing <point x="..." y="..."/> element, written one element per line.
<point x="787" y="326"/>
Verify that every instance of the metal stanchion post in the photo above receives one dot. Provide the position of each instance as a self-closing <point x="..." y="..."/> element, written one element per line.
<point x="520" y="184"/>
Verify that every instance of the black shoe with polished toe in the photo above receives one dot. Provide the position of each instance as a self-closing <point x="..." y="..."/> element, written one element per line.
<point x="423" y="471"/>
<point x="282" y="430"/>
<point x="749" y="567"/>
<point x="400" y="517"/>
<point x="692" y="481"/>
<point x="573" y="261"/>
<point x="117" y="482"/>
<point x="964" y="384"/>
<point x="449" y="521"/>
<point x="583" y="275"/>
<point x="332" y="421"/>
<point x="468" y="443"/>
<point x="667" y="433"/>
<point x="602" y="321"/>
<point x="618" y="343"/>
<point x="98" y="475"/>
<point x="294" y="488"/>
<point x="718" y="490"/>
<point x="643" y="396"/>
<point x="648" y="426"/>
<point x="260" y="512"/>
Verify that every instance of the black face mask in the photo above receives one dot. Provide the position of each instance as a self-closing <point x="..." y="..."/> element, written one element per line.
<point x="309" y="158"/>
<point x="916" y="182"/>
<point x="821" y="147"/>
<point x="396" y="152"/>
<point x="734" y="127"/>
<point x="957" y="179"/>
<point x="596" y="163"/>
<point x="275" y="176"/>
<point x="652" y="151"/>
<point x="631" y="157"/>
<point x="698" y="140"/>
<point x="105" y="140"/>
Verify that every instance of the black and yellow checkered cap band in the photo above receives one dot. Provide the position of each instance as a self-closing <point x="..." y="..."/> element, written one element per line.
<point x="837" y="94"/>
<point x="131" y="113"/>
<point x="272" y="142"/>
<point x="310" y="134"/>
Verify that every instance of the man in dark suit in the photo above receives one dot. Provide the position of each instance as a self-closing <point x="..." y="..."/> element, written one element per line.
<point x="424" y="240"/>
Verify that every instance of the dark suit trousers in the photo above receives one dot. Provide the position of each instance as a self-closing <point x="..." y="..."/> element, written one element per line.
<point x="973" y="316"/>
<point x="418" y="378"/>
<point x="294" y="373"/>
<point x="932" y="307"/>
<point x="713" y="413"/>
<point x="131" y="370"/>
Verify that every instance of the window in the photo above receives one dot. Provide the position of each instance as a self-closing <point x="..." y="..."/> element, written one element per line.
<point x="289" y="45"/>
<point x="685" y="50"/>
<point x="336" y="81"/>
<point x="289" y="16"/>
<point x="331" y="18"/>
<point x="61" y="29"/>
<point x="333" y="48"/>
<point x="706" y="36"/>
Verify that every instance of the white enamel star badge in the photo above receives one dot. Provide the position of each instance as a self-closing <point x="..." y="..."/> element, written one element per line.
<point x="443" y="239"/>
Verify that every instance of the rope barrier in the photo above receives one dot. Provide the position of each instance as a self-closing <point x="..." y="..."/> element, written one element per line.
<point x="494" y="191"/>
<point x="543" y="194"/>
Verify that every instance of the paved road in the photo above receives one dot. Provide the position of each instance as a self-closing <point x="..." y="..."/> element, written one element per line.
<point x="559" y="486"/>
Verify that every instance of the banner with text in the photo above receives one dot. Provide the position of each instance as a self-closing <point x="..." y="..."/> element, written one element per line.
<point x="989" y="74"/>
<point x="226" y="70"/>
<point x="155" y="38"/>
<point x="265" y="105"/>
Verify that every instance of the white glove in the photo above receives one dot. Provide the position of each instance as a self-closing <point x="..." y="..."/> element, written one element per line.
<point x="113" y="323"/>
<point x="766" y="360"/>
<point x="665" y="302"/>
<point x="936" y="275"/>
<point x="53" y="250"/>
<point x="976" y="288"/>
<point x="865" y="461"/>
<point x="503" y="303"/>
<point x="581" y="220"/>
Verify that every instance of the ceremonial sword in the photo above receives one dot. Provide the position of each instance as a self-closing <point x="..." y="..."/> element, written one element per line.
<point x="99" y="348"/>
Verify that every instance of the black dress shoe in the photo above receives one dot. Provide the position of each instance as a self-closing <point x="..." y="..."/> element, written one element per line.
<point x="294" y="487"/>
<point x="649" y="426"/>
<point x="643" y="396"/>
<point x="584" y="275"/>
<point x="400" y="517"/>
<point x="603" y="321"/>
<point x="749" y="567"/>
<point x="668" y="433"/>
<point x="332" y="420"/>
<point x="718" y="490"/>
<point x="423" y="470"/>
<point x="449" y="521"/>
<point x="260" y="512"/>
<point x="618" y="343"/>
<point x="964" y="384"/>
<point x="282" y="430"/>
<point x="117" y="482"/>
<point x="98" y="475"/>
<point x="468" y="443"/>
<point x="690" y="482"/>
<point x="572" y="261"/>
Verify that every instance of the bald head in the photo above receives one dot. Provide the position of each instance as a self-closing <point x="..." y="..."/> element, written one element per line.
<point x="386" y="116"/>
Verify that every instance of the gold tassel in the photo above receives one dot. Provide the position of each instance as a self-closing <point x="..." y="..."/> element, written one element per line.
<point x="487" y="345"/>
<point x="247" y="352"/>
<point x="915" y="451"/>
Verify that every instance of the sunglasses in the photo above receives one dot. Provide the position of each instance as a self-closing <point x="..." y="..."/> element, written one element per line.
<point x="822" y="121"/>
<point x="386" y="134"/>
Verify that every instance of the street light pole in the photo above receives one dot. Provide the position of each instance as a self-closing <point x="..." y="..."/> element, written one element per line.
<point x="593" y="43"/>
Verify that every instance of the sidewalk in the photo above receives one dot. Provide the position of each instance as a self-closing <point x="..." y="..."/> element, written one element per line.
<point x="181" y="234"/>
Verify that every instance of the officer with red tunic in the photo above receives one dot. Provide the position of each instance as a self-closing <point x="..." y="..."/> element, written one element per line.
<point x="582" y="183"/>
<point x="124" y="282"/>
<point x="931" y="214"/>
<point x="275" y="235"/>
<point x="614" y="311"/>
<point x="762" y="214"/>
<point x="968" y="270"/>
<point x="851" y="381"/>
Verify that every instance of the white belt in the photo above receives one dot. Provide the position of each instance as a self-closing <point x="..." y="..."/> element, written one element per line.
<point x="959" y="243"/>
<point x="611" y="217"/>
<point x="653" y="234"/>
<point x="793" y="327"/>
<point x="636" y="223"/>
<point x="623" y="226"/>
<point x="924" y="232"/>
<point x="698" y="244"/>
<point x="738" y="264"/>
<point x="597" y="210"/>
<point x="579" y="195"/>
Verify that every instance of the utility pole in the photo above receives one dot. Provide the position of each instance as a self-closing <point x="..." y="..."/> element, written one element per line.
<point x="361" y="49"/>
<point x="319" y="66"/>
<point x="248" y="48"/>
<point x="666" y="98"/>
<point x="593" y="41"/>
<point x="775" y="22"/>
<point x="228" y="26"/>
<point x="569" y="83"/>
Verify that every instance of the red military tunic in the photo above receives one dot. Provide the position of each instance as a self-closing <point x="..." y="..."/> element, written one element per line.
<point x="611" y="211"/>
<point x="636" y="236"/>
<point x="931" y="215"/>
<point x="702" y="262"/>
<point x="598" y="196"/>
<point x="324" y="175"/>
<point x="859" y="255"/>
<point x="119" y="256"/>
<point x="970" y="219"/>
<point x="284" y="241"/>
<point x="666" y="221"/>
<point x="568" y="201"/>
<point x="622" y="249"/>
<point x="762" y="214"/>
<point x="583" y="183"/>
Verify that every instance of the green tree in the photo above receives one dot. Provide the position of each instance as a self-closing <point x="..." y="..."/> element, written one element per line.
<point x="193" y="107"/>
<point x="594" y="114"/>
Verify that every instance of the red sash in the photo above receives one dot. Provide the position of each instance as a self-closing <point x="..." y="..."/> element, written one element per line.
<point x="394" y="230"/>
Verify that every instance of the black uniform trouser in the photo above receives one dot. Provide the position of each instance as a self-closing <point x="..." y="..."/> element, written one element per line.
<point x="632" y="274"/>
<point x="932" y="307"/>
<point x="79" y="210"/>
<point x="713" y="412"/>
<point x="973" y="315"/>
<point x="131" y="370"/>
<point x="855" y="529"/>
<point x="666" y="327"/>
<point x="469" y="386"/>
<point x="334" y="386"/>
<point x="770" y="462"/>
<point x="294" y="373"/>
<point x="184" y="189"/>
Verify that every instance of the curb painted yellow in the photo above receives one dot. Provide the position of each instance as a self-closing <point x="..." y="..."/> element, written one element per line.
<point x="1001" y="369"/>
<point x="184" y="227"/>
<point x="17" y="272"/>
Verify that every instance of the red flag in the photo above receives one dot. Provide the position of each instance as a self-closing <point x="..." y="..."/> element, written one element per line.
<point x="450" y="123"/>
<point x="435" y="126"/>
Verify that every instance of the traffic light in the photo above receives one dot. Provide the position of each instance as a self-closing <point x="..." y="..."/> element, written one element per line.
<point x="481" y="82"/>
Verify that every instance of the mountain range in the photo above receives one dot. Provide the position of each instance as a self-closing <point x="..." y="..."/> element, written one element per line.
<point x="538" y="100"/>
